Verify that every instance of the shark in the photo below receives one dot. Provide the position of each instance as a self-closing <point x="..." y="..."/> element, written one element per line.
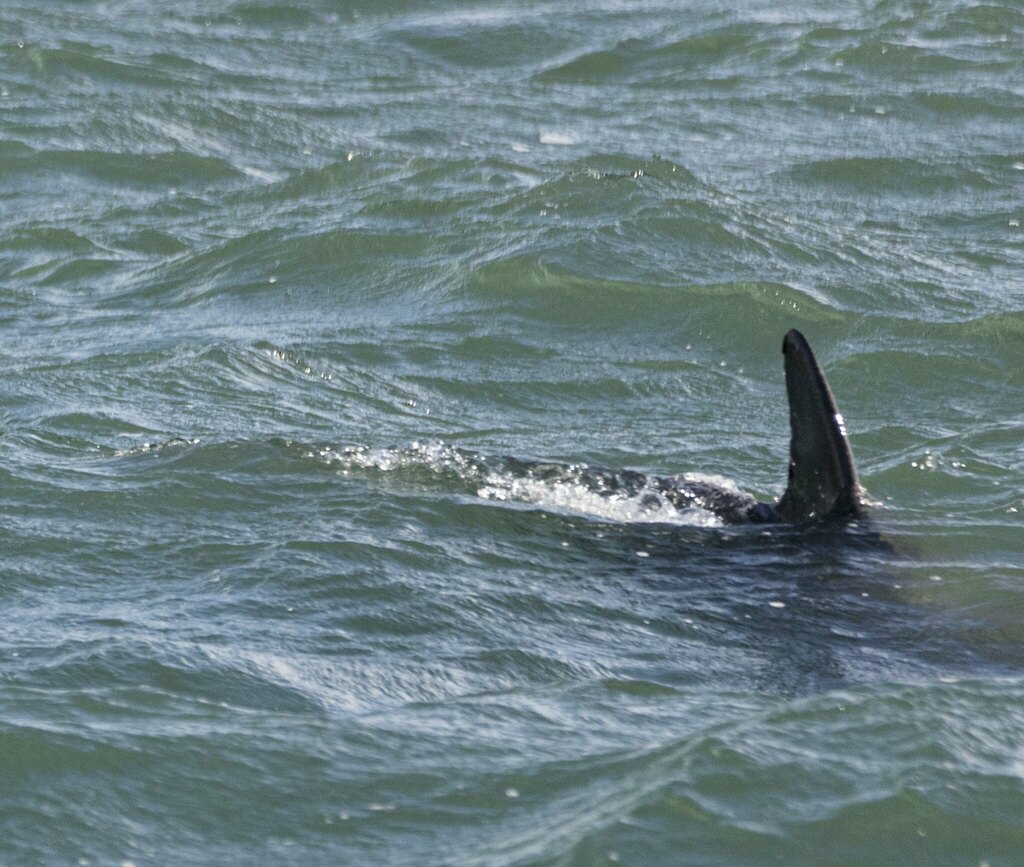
<point x="822" y="484"/>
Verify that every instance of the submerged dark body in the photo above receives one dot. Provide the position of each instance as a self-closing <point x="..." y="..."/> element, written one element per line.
<point x="823" y="482"/>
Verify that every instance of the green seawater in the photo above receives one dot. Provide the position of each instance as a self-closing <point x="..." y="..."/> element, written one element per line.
<point x="318" y="317"/>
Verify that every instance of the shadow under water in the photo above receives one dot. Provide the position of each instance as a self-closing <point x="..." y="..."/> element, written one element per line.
<point x="810" y="608"/>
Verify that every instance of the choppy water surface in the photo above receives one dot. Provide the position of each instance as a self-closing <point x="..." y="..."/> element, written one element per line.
<point x="328" y="332"/>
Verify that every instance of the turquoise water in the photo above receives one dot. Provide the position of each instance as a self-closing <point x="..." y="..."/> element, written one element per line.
<point x="317" y="319"/>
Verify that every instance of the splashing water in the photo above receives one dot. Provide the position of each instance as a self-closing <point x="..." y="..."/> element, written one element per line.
<point x="577" y="489"/>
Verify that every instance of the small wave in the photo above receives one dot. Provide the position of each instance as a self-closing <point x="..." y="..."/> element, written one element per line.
<point x="647" y="59"/>
<point x="883" y="174"/>
<point x="150" y="447"/>
<point x="175" y="168"/>
<point x="269" y="15"/>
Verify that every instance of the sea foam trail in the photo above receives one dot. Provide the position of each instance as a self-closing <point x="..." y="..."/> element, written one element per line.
<point x="576" y="489"/>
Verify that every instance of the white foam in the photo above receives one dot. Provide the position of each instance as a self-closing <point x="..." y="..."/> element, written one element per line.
<point x="712" y="479"/>
<point x="575" y="498"/>
<point x="574" y="494"/>
<point x="556" y="137"/>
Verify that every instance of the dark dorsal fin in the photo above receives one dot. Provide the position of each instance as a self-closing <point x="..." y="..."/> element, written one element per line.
<point x="822" y="479"/>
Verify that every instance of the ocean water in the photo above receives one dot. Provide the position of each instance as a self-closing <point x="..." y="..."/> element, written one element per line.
<point x="325" y="325"/>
